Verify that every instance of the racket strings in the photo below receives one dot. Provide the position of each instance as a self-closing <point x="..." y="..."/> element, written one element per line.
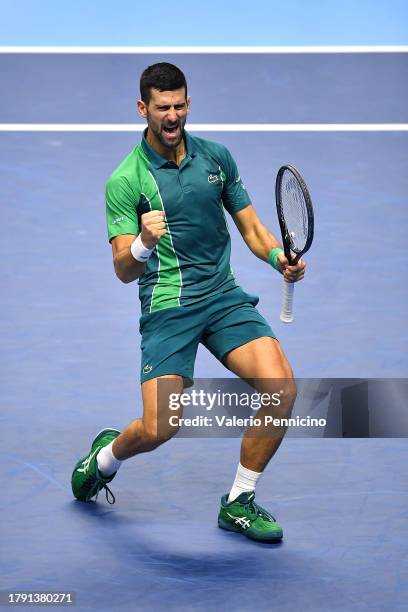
<point x="294" y="210"/>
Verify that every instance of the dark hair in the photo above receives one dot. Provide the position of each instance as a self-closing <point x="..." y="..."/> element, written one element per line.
<point x="161" y="76"/>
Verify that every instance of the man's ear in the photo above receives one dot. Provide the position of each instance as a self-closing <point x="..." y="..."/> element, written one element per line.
<point x="142" y="108"/>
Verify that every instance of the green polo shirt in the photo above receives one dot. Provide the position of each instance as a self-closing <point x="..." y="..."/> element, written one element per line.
<point x="192" y="260"/>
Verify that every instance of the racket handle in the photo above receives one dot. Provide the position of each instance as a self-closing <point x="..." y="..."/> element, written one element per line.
<point x="286" y="315"/>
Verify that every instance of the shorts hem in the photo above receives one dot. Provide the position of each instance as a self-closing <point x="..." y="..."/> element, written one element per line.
<point x="187" y="377"/>
<point x="241" y="342"/>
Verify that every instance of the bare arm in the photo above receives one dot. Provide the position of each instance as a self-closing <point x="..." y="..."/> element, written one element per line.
<point x="261" y="241"/>
<point x="257" y="237"/>
<point x="127" y="268"/>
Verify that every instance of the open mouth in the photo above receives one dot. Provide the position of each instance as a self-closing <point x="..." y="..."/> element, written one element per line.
<point x="171" y="130"/>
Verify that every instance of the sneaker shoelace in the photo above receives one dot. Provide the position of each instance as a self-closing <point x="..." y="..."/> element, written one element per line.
<point x="107" y="493"/>
<point x="99" y="486"/>
<point x="256" y="510"/>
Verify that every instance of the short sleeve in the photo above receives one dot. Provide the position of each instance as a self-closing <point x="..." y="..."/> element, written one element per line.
<point x="234" y="196"/>
<point x="121" y="208"/>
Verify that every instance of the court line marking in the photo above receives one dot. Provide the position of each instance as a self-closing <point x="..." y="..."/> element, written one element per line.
<point x="208" y="127"/>
<point x="208" y="49"/>
<point x="35" y="468"/>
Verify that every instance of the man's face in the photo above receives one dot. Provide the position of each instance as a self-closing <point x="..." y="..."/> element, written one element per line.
<point x="166" y="115"/>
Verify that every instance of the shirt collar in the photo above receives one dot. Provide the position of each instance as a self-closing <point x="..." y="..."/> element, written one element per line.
<point x="157" y="160"/>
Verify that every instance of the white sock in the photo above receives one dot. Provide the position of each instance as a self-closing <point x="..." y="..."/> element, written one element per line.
<point x="106" y="460"/>
<point x="245" y="481"/>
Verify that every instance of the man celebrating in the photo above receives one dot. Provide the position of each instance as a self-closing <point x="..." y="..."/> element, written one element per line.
<point x="166" y="224"/>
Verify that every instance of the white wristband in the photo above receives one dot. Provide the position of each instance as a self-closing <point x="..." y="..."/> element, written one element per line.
<point x="139" y="251"/>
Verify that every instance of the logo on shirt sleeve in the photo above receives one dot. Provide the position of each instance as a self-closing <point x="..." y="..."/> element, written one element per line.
<point x="117" y="220"/>
<point x="239" y="180"/>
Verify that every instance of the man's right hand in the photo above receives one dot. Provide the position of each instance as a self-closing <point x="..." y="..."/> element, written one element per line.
<point x="153" y="228"/>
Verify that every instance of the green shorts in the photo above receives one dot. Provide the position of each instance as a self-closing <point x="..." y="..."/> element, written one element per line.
<point x="170" y="337"/>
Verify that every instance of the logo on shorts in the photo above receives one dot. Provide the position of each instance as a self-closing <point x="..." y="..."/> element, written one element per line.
<point x="213" y="178"/>
<point x="147" y="369"/>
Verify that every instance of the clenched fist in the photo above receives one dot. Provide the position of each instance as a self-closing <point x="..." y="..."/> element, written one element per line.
<point x="153" y="228"/>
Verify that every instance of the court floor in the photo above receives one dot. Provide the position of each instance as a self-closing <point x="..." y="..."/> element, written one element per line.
<point x="66" y="318"/>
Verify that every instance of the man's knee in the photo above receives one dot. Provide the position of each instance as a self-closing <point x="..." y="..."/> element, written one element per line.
<point x="286" y="382"/>
<point x="282" y="392"/>
<point x="290" y="389"/>
<point x="289" y="395"/>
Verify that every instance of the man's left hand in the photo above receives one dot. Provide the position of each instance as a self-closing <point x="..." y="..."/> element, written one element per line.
<point x="291" y="274"/>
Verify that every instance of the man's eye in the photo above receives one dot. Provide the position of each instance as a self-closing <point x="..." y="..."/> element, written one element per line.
<point x="164" y="109"/>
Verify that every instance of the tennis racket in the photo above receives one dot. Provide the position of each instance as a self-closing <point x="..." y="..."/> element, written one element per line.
<point x="295" y="214"/>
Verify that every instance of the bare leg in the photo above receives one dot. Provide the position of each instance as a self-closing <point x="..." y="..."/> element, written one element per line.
<point x="147" y="433"/>
<point x="263" y="362"/>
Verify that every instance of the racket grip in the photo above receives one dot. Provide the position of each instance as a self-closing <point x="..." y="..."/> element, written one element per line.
<point x="286" y="315"/>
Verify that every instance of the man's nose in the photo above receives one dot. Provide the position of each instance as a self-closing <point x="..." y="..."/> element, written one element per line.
<point x="172" y="115"/>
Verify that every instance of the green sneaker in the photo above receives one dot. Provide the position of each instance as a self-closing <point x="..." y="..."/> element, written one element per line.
<point x="86" y="480"/>
<point x="244" y="516"/>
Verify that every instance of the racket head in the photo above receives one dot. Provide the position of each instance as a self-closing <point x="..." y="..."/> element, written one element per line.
<point x="295" y="212"/>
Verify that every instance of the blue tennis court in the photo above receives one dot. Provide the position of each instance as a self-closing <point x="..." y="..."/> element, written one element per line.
<point x="70" y="358"/>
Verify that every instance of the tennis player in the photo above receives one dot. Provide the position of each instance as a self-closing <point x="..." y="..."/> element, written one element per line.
<point x="165" y="206"/>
